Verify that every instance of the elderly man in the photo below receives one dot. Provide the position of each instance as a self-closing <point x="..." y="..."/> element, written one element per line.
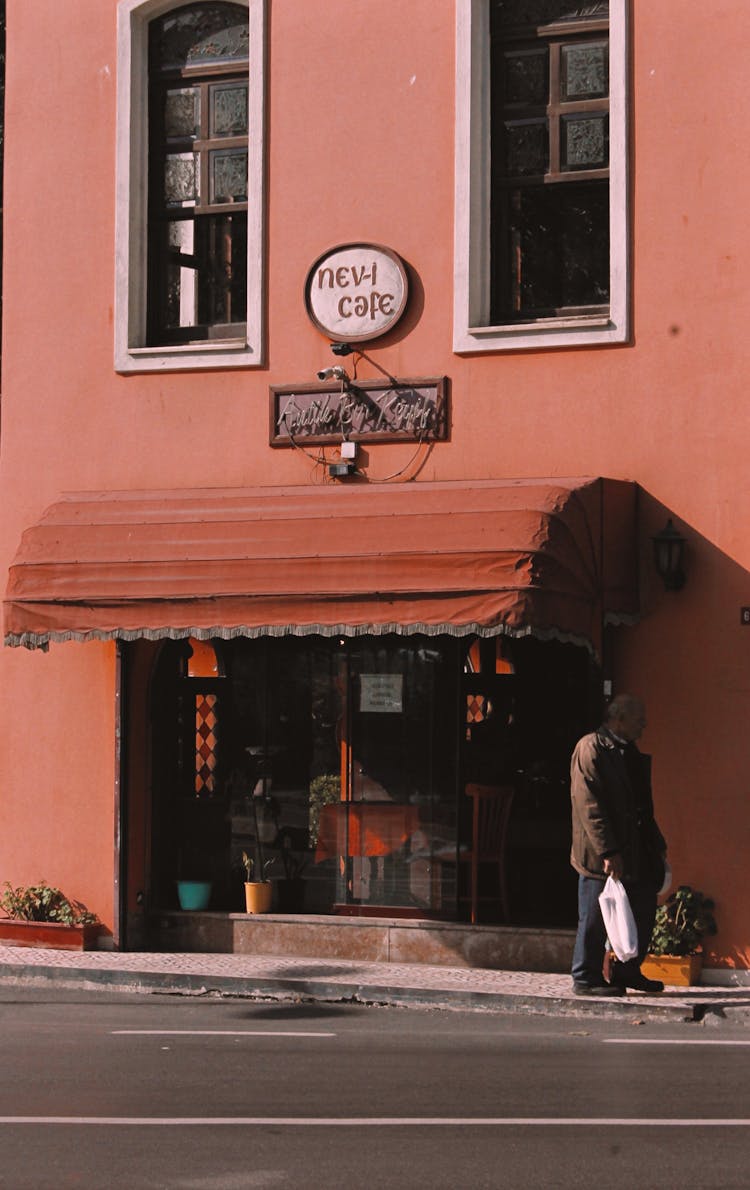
<point x="614" y="834"/>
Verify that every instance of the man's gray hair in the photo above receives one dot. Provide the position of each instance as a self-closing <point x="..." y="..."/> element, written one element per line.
<point x="623" y="704"/>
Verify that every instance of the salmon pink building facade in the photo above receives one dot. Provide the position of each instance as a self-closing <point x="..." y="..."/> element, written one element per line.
<point x="373" y="409"/>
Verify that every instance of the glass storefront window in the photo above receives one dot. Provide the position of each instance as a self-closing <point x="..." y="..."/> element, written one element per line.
<point x="342" y="764"/>
<point x="333" y="761"/>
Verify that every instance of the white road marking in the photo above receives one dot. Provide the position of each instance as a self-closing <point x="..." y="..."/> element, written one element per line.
<point x="670" y="1041"/>
<point x="213" y="1033"/>
<point x="379" y="1121"/>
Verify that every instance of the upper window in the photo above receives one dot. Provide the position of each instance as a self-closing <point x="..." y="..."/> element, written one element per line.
<point x="541" y="244"/>
<point x="198" y="125"/>
<point x="190" y="185"/>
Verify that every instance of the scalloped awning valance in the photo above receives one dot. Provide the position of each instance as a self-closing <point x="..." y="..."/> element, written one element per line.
<point x="548" y="557"/>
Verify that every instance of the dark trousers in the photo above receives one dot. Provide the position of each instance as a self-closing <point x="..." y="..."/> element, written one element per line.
<point x="591" y="939"/>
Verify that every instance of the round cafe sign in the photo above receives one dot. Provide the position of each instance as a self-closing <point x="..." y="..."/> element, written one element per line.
<point x="356" y="292"/>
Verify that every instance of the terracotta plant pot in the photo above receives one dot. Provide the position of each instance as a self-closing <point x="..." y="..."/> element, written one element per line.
<point x="49" y="935"/>
<point x="258" y="896"/>
<point x="681" y="971"/>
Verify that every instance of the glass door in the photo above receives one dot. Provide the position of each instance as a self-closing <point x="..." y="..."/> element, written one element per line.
<point x="398" y="815"/>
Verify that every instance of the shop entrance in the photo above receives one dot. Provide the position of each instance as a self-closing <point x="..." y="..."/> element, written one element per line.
<point x="526" y="703"/>
<point x="340" y="767"/>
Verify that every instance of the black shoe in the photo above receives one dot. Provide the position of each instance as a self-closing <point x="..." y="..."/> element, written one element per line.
<point x="597" y="989"/>
<point x="639" y="983"/>
<point x="629" y="975"/>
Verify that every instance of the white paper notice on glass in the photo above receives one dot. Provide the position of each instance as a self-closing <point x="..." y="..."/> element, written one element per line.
<point x="383" y="693"/>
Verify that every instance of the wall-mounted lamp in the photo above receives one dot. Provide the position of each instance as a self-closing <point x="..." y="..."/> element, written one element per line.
<point x="669" y="556"/>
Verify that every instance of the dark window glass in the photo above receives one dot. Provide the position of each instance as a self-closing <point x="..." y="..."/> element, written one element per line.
<point x="585" y="71"/>
<point x="550" y="154"/>
<point x="332" y="758"/>
<point x="525" y="76"/>
<point x="584" y="142"/>
<point x="558" y="250"/>
<point x="526" y="147"/>
<point x="514" y="14"/>
<point x="201" y="34"/>
<point x="198" y="176"/>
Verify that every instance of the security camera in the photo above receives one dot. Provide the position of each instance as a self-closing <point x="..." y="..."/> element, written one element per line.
<point x="336" y="373"/>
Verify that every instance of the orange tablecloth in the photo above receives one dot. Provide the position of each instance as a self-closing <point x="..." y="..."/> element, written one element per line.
<point x="375" y="828"/>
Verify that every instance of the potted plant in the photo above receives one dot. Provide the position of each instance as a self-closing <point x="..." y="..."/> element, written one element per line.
<point x="194" y="894"/>
<point x="193" y="887"/>
<point x="257" y="892"/>
<point x="675" y="954"/>
<point x="325" y="790"/>
<point x="40" y="915"/>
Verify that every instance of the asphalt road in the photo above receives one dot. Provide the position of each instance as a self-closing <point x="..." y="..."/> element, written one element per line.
<point x="101" y="1091"/>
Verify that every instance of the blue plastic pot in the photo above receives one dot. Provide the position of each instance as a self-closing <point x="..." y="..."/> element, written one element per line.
<point x="194" y="894"/>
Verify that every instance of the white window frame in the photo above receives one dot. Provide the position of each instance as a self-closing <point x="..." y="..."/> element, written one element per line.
<point x="472" y="331"/>
<point x="131" y="218"/>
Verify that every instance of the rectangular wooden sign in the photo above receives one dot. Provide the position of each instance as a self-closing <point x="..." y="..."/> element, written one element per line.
<point x="366" y="411"/>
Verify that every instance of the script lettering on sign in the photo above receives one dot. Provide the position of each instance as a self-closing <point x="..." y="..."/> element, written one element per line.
<point x="356" y="292"/>
<point x="410" y="411"/>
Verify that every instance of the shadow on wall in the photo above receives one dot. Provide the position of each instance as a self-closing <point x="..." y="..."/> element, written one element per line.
<point x="689" y="657"/>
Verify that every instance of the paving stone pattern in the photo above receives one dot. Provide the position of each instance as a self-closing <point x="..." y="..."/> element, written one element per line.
<point x="329" y="979"/>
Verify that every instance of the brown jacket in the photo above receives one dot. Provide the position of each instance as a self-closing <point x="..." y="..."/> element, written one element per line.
<point x="605" y="810"/>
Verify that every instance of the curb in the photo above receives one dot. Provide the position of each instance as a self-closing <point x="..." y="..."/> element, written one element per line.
<point x="353" y="992"/>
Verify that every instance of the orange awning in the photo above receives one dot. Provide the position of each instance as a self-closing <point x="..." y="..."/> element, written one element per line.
<point x="552" y="557"/>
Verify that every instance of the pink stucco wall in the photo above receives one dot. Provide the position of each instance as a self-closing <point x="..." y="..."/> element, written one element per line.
<point x="360" y="145"/>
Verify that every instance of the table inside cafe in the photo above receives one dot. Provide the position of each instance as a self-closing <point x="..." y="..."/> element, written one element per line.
<point x="368" y="837"/>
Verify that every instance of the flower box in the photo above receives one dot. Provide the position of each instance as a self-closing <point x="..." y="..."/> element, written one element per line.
<point x="48" y="935"/>
<point x="679" y="970"/>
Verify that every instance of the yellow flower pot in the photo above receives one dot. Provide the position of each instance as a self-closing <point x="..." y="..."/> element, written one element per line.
<point x="258" y="896"/>
<point x="682" y="971"/>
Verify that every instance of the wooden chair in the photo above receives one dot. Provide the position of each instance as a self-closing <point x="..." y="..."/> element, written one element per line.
<point x="491" y="806"/>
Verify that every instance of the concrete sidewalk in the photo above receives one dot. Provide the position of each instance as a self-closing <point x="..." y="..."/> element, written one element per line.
<point x="332" y="980"/>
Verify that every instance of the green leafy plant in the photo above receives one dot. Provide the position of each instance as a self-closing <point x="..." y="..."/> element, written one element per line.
<point x="251" y="866"/>
<point x="682" y="922"/>
<point x="41" y="902"/>
<point x="324" y="791"/>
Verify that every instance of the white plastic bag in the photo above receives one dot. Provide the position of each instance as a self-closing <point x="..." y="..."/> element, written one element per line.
<point x="618" y="919"/>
